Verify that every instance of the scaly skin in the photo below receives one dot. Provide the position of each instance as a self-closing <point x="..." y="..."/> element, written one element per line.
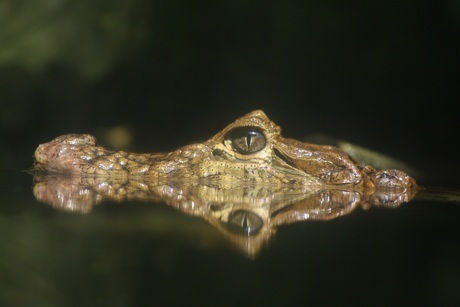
<point x="250" y="150"/>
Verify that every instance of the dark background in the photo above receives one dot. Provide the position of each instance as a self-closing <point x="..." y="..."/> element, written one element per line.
<point x="379" y="74"/>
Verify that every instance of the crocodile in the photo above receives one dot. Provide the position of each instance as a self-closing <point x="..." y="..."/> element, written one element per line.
<point x="251" y="150"/>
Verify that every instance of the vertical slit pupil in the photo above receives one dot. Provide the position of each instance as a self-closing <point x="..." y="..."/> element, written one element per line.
<point x="248" y="140"/>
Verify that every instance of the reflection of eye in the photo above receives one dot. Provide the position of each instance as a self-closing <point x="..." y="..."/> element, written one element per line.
<point x="248" y="140"/>
<point x="244" y="222"/>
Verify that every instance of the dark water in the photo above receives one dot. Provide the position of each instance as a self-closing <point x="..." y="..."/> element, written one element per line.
<point x="381" y="74"/>
<point x="145" y="253"/>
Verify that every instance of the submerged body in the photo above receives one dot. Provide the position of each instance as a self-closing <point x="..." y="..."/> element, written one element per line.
<point x="250" y="150"/>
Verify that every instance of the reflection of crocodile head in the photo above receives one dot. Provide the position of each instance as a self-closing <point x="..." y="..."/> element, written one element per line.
<point x="246" y="180"/>
<point x="249" y="150"/>
<point x="247" y="215"/>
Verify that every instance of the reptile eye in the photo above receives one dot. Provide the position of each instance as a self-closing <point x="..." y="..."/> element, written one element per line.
<point x="244" y="222"/>
<point x="248" y="140"/>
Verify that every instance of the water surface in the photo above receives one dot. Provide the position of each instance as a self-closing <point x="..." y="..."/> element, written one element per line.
<point x="137" y="253"/>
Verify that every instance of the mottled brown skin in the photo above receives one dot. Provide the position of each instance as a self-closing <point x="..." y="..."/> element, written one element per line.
<point x="250" y="150"/>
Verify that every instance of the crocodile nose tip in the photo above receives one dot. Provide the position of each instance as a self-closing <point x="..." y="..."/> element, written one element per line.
<point x="40" y="154"/>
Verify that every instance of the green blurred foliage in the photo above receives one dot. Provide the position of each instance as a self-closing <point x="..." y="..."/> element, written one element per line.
<point x="88" y="37"/>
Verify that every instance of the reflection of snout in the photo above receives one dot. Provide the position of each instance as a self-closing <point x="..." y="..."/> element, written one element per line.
<point x="244" y="222"/>
<point x="64" y="193"/>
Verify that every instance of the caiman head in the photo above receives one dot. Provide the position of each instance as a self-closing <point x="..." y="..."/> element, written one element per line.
<point x="252" y="149"/>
